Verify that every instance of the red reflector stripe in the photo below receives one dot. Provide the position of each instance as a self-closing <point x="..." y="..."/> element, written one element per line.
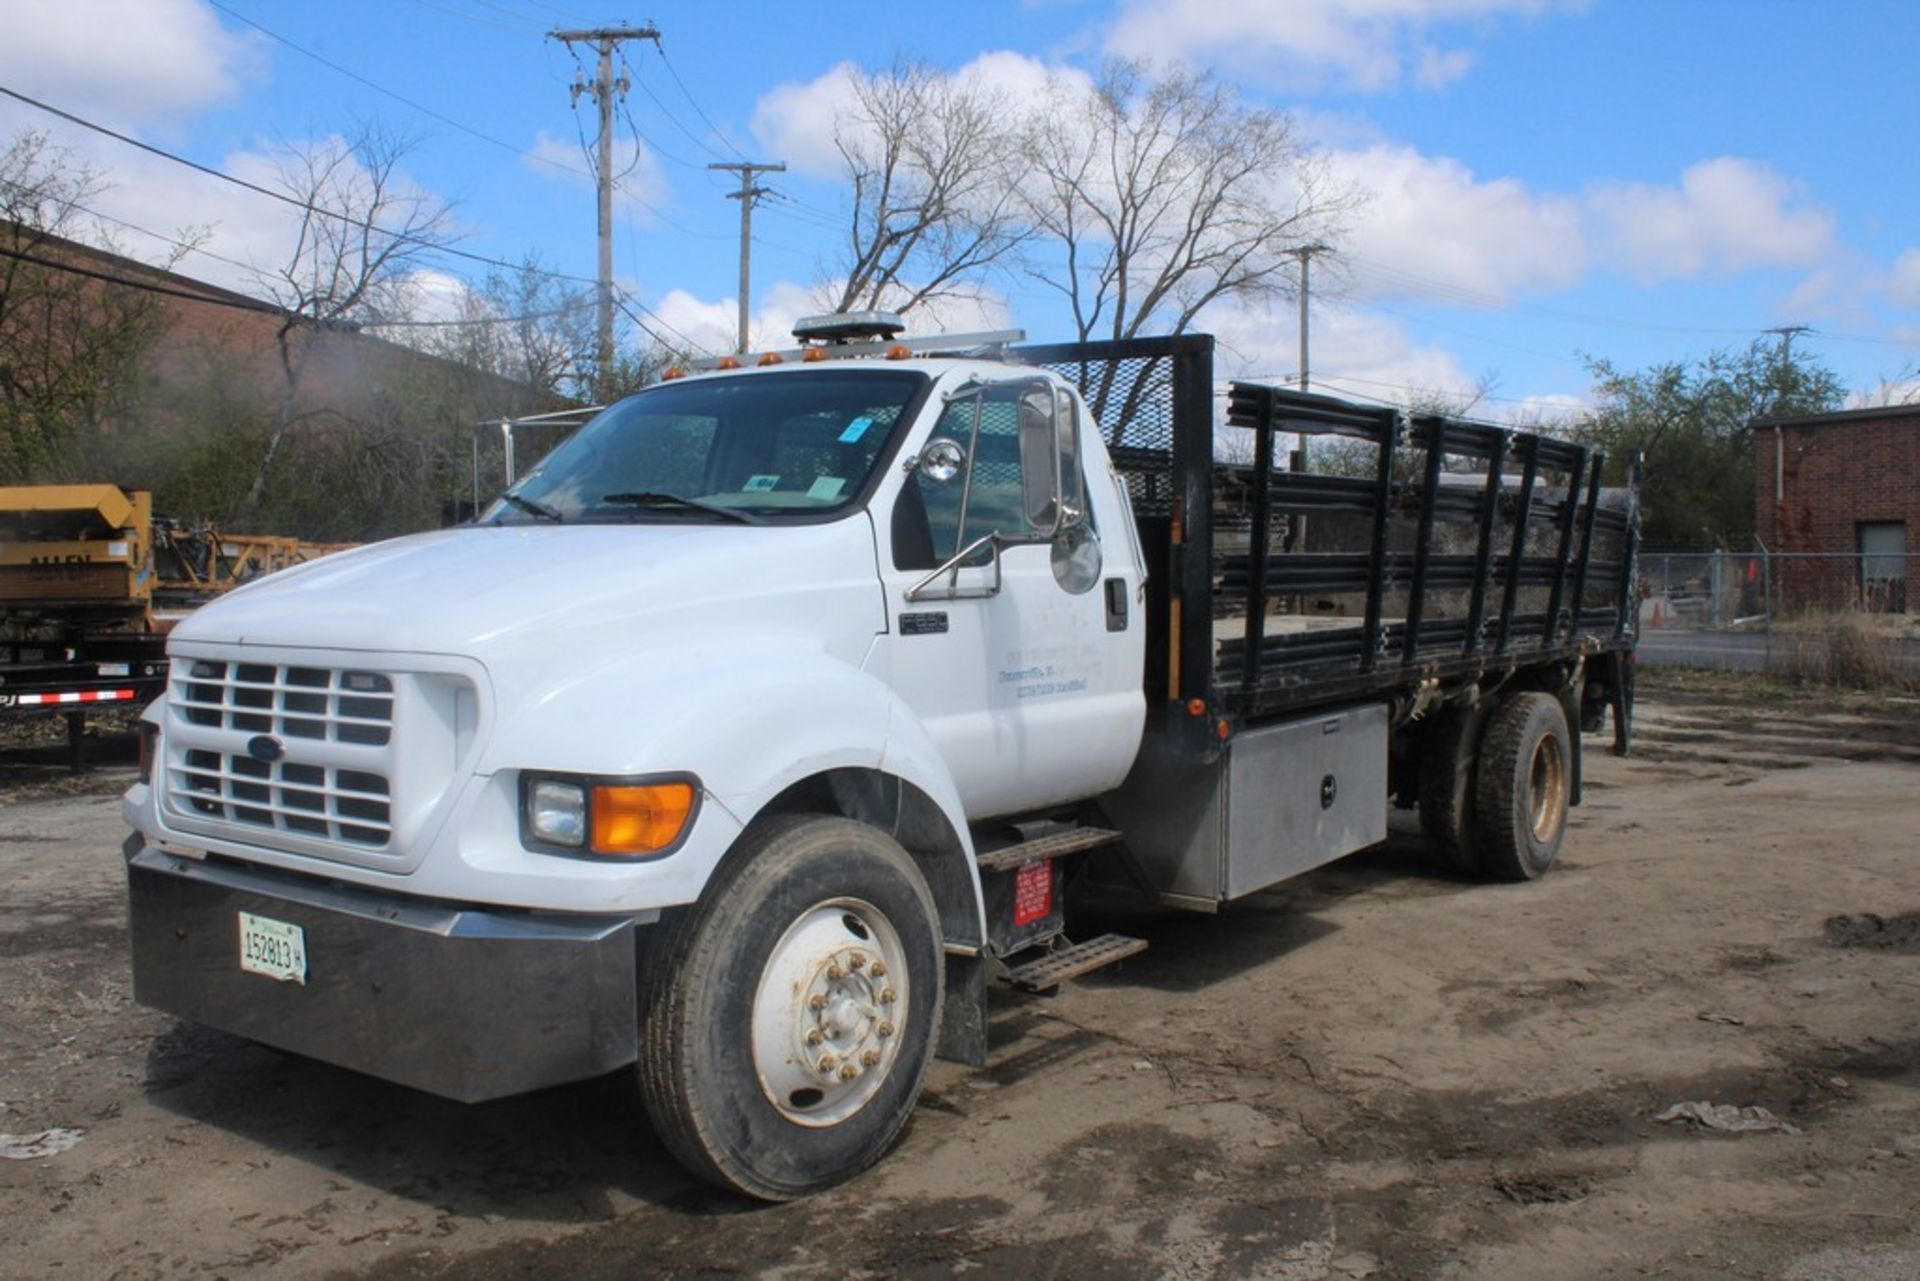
<point x="75" y="696"/>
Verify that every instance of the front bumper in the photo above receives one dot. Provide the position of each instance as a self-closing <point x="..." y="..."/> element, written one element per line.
<point x="464" y="1003"/>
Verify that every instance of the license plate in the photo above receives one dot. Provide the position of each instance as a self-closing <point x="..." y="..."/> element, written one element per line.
<point x="273" y="948"/>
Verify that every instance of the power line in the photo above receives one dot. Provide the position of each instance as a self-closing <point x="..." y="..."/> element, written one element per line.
<point x="464" y="16"/>
<point x="692" y="137"/>
<point x="688" y="95"/>
<point x="221" y="297"/>
<point x="622" y="300"/>
<point x="285" y="199"/>
<point x="421" y="107"/>
<point x="236" y="302"/>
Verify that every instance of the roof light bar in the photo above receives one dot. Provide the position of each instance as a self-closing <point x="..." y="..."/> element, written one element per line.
<point x="987" y="344"/>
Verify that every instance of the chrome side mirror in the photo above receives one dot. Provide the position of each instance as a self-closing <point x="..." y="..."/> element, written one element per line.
<point x="1039" y="460"/>
<point x="942" y="459"/>
<point x="1076" y="556"/>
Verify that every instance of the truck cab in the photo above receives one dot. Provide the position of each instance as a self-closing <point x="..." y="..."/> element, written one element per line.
<point x="888" y="582"/>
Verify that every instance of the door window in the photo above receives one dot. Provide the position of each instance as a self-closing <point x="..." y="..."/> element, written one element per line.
<point x="927" y="527"/>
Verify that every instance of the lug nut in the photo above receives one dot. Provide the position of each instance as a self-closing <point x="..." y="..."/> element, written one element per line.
<point x="879" y="969"/>
<point x="871" y="1058"/>
<point x="826" y="1062"/>
<point x="835" y="973"/>
<point x="848" y="1071"/>
<point x="813" y="1036"/>
<point x="858" y="961"/>
<point x="885" y="1029"/>
<point x="886" y="996"/>
<point x="816" y="1002"/>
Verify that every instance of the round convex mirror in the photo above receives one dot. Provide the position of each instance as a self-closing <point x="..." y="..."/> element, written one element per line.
<point x="942" y="459"/>
<point x="1076" y="557"/>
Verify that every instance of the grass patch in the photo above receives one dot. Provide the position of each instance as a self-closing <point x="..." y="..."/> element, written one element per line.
<point x="1846" y="649"/>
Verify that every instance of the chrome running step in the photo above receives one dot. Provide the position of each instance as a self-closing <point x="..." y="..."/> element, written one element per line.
<point x="1043" y="847"/>
<point x="1056" y="968"/>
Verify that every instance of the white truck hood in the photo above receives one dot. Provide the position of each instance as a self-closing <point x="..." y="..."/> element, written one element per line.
<point x="494" y="592"/>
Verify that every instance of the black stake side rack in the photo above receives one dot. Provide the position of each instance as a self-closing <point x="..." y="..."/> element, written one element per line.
<point x="1466" y="549"/>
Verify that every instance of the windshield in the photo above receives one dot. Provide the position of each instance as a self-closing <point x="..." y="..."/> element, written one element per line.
<point x="759" y="448"/>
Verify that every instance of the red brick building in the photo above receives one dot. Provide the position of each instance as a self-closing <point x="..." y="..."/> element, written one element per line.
<point x="1840" y="495"/>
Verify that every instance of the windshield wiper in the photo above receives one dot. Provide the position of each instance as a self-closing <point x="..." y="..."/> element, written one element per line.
<point x="652" y="498"/>
<point x="534" y="507"/>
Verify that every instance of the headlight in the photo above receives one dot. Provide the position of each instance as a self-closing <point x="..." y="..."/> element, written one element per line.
<point x="615" y="817"/>
<point x="557" y="813"/>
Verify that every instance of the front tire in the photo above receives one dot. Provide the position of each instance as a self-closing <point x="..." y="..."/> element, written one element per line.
<point x="788" y="1017"/>
<point x="1522" y="787"/>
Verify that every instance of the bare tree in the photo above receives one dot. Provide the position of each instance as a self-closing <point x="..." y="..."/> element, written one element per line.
<point x="1166" y="195"/>
<point x="70" y="344"/>
<point x="927" y="158"/>
<point x="528" y="326"/>
<point x="363" y="228"/>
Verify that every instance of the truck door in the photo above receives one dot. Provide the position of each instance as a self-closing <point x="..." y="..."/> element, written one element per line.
<point x="1021" y="655"/>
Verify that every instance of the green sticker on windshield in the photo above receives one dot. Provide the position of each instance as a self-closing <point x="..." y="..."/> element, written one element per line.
<point x="826" y="488"/>
<point x="760" y="484"/>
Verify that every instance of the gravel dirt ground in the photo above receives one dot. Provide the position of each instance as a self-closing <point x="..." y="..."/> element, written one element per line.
<point x="1372" y="1071"/>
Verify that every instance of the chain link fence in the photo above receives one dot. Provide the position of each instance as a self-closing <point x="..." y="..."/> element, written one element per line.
<point x="1831" y="617"/>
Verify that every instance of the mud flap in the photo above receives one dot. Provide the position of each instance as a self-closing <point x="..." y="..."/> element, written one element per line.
<point x="1570" y="708"/>
<point x="1620" y="665"/>
<point x="963" y="1022"/>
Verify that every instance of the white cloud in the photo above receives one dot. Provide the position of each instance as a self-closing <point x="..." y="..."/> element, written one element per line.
<point x="1727" y="215"/>
<point x="797" y="121"/>
<point x="1352" y="352"/>
<point x="712" y="323"/>
<point x="1432" y="219"/>
<point x="1903" y="281"/>
<point x="1368" y="45"/>
<point x="140" y="64"/>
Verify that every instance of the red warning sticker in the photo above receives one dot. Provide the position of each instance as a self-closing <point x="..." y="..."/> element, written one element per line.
<point x="1032" y="893"/>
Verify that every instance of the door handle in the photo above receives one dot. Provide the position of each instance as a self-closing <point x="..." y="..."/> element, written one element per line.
<point x="1116" y="604"/>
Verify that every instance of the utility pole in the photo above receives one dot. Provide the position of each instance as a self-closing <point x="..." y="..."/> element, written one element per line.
<point x="747" y="194"/>
<point x="1305" y="254"/>
<point x="1787" y="334"/>
<point x="603" y="88"/>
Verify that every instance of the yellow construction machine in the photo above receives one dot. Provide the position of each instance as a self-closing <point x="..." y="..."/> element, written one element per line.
<point x="90" y="583"/>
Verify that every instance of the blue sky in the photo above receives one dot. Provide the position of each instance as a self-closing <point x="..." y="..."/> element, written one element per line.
<point x="1638" y="181"/>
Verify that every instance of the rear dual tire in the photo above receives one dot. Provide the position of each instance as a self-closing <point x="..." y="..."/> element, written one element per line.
<point x="1494" y="797"/>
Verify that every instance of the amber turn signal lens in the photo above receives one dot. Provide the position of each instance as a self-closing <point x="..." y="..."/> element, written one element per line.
<point x="814" y="355"/>
<point x="639" y="820"/>
<point x="726" y="362"/>
<point x="672" y="372"/>
<point x="899" y="352"/>
<point x="770" y="358"/>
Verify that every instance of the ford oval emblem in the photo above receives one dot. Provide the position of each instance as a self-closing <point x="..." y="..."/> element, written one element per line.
<point x="265" y="747"/>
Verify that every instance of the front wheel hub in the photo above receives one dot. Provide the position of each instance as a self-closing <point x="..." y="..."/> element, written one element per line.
<point x="833" y="988"/>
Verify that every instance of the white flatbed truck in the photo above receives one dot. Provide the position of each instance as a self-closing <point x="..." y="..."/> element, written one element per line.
<point x="747" y="737"/>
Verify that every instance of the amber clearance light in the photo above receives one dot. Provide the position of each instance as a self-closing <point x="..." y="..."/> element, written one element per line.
<point x="639" y="818"/>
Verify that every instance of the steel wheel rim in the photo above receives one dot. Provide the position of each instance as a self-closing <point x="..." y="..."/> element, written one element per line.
<point x="830" y="1011"/>
<point x="1546" y="788"/>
